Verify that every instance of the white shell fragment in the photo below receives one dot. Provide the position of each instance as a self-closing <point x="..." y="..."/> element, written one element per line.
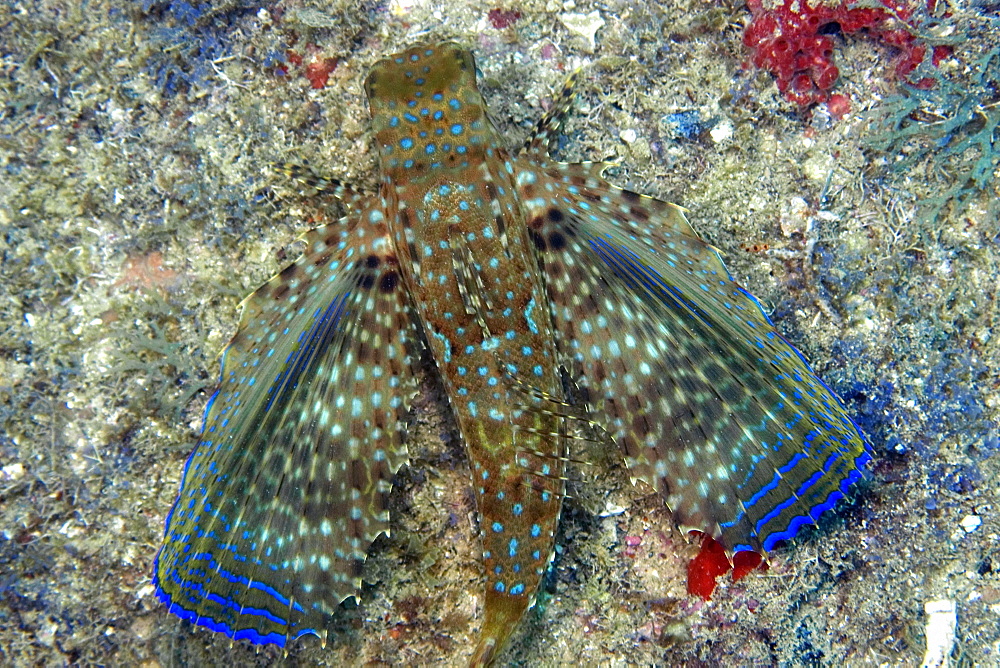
<point x="940" y="632"/>
<point x="584" y="27"/>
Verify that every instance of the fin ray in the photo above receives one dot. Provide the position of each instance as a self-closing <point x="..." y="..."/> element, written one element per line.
<point x="287" y="486"/>
<point x="709" y="403"/>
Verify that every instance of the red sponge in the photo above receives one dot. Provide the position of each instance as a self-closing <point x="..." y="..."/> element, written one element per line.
<point x="792" y="40"/>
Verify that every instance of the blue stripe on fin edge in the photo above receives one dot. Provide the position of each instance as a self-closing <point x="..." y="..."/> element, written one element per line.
<point x="832" y="499"/>
<point x="251" y="635"/>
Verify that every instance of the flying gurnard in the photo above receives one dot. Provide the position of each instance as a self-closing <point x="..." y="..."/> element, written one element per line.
<point x="522" y="277"/>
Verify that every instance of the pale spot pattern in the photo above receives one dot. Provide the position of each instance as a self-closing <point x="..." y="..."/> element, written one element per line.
<point x="708" y="402"/>
<point x="284" y="493"/>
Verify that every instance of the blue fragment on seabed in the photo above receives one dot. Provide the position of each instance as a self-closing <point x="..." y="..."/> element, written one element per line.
<point x="685" y="124"/>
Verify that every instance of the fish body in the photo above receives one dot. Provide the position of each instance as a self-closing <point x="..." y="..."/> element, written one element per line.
<point x="467" y="260"/>
<point x="514" y="271"/>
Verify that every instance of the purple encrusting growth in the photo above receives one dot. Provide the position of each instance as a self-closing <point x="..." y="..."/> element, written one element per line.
<point x="509" y="270"/>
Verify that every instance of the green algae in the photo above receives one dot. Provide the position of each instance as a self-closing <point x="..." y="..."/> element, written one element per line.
<point x="947" y="129"/>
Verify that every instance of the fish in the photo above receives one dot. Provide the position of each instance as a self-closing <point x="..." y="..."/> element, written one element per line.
<point x="550" y="301"/>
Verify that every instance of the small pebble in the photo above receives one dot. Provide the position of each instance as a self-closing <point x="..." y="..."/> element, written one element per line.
<point x="12" y="472"/>
<point x="970" y="523"/>
<point x="722" y="132"/>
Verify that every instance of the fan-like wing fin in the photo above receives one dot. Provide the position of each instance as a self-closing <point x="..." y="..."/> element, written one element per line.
<point x="286" y="489"/>
<point x="709" y="403"/>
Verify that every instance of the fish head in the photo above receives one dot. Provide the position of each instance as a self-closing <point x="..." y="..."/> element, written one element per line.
<point x="427" y="113"/>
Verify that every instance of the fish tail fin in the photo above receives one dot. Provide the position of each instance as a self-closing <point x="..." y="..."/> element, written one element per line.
<point x="502" y="615"/>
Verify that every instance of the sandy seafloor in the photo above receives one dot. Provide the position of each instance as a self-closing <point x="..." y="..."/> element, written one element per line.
<point x="136" y="211"/>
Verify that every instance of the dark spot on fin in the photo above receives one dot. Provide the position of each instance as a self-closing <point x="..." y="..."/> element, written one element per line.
<point x="639" y="213"/>
<point x="390" y="280"/>
<point x="501" y="225"/>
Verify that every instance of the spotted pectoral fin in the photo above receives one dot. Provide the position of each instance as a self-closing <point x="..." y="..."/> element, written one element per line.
<point x="708" y="402"/>
<point x="286" y="489"/>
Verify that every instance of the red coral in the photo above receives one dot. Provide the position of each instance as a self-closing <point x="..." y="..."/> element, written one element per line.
<point x="318" y="71"/>
<point x="746" y="561"/>
<point x="711" y="562"/>
<point x="503" y="18"/>
<point x="838" y="105"/>
<point x="791" y="40"/>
